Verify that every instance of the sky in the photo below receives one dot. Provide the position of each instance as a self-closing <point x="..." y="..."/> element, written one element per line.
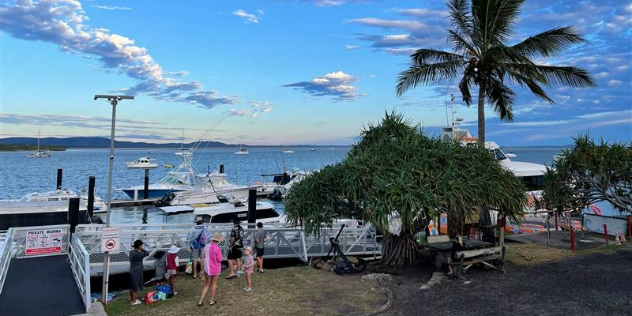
<point x="273" y="72"/>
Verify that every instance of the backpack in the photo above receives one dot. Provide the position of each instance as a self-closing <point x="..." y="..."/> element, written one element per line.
<point x="205" y="237"/>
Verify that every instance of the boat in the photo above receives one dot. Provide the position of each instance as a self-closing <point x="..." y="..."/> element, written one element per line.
<point x="287" y="150"/>
<point x="142" y="163"/>
<point x="169" y="165"/>
<point x="181" y="179"/>
<point x="184" y="152"/>
<point x="214" y="188"/>
<point x="312" y="149"/>
<point x="331" y="148"/>
<point x="242" y="150"/>
<point x="40" y="153"/>
<point x="511" y="154"/>
<point x="280" y="185"/>
<point x="226" y="212"/>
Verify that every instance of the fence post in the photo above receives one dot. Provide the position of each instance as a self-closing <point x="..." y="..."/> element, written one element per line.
<point x="629" y="227"/>
<point x="556" y="227"/>
<point x="572" y="239"/>
<point x="605" y="233"/>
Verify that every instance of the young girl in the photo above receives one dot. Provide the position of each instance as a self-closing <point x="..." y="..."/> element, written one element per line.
<point x="172" y="267"/>
<point x="212" y="267"/>
<point x="160" y="263"/>
<point x="248" y="268"/>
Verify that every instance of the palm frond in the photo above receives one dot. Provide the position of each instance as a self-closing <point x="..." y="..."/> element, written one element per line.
<point x="426" y="74"/>
<point x="555" y="75"/>
<point x="460" y="16"/>
<point x="505" y="13"/>
<point x="461" y="44"/>
<point x="501" y="98"/>
<point x="548" y="43"/>
<point x="464" y="87"/>
<point x="431" y="56"/>
<point x="531" y="81"/>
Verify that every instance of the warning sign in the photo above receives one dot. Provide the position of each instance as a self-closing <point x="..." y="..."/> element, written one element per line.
<point x="43" y="242"/>
<point x="110" y="240"/>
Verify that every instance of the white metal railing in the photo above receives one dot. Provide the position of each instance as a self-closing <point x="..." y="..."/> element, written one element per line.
<point x="5" y="257"/>
<point x="281" y="243"/>
<point x="80" y="264"/>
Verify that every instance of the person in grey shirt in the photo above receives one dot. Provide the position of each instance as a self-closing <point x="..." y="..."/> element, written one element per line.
<point x="260" y="237"/>
<point x="195" y="245"/>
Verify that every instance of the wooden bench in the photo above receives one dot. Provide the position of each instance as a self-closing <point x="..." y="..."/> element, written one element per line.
<point x="490" y="257"/>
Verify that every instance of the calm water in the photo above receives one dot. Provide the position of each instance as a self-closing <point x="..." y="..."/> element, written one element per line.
<point x="20" y="175"/>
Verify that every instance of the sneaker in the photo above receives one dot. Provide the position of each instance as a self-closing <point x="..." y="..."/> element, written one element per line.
<point x="247" y="289"/>
<point x="138" y="302"/>
<point x="175" y="293"/>
<point x="238" y="273"/>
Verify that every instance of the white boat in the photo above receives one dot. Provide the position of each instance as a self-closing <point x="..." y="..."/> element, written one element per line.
<point x="225" y="213"/>
<point x="184" y="152"/>
<point x="280" y="185"/>
<point x="312" y="149"/>
<point x="511" y="155"/>
<point x="57" y="199"/>
<point x="142" y="163"/>
<point x="242" y="150"/>
<point x="40" y="153"/>
<point x="215" y="189"/>
<point x="331" y="148"/>
<point x="287" y="150"/>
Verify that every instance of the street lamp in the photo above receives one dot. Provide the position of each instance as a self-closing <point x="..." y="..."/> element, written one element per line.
<point x="113" y="99"/>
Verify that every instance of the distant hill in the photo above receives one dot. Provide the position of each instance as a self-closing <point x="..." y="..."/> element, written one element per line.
<point x="94" y="142"/>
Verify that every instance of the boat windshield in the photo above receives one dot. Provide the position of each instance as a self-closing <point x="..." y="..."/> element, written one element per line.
<point x="533" y="183"/>
<point x="498" y="154"/>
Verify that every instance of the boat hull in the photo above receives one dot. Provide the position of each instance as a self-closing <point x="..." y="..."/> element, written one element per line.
<point x="153" y="193"/>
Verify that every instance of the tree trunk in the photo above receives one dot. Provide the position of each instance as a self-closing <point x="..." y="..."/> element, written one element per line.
<point x="399" y="250"/>
<point x="481" y="114"/>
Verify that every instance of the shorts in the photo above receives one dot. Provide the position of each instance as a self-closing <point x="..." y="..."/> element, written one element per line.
<point x="170" y="273"/>
<point x="196" y="254"/>
<point x="259" y="252"/>
<point x="235" y="253"/>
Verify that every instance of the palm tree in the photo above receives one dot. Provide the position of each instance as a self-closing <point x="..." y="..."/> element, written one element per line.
<point x="478" y="36"/>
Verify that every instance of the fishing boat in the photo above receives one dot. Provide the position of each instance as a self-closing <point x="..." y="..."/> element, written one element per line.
<point x="287" y="150"/>
<point x="40" y="153"/>
<point x="280" y="185"/>
<point x="184" y="152"/>
<point x="226" y="212"/>
<point x="142" y="163"/>
<point x="214" y="188"/>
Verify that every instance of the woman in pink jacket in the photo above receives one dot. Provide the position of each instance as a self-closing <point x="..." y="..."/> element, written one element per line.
<point x="212" y="266"/>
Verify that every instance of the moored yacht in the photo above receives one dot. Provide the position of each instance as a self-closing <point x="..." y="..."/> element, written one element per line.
<point x="142" y="163"/>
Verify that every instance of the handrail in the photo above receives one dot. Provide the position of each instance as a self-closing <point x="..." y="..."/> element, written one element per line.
<point x="5" y="256"/>
<point x="80" y="264"/>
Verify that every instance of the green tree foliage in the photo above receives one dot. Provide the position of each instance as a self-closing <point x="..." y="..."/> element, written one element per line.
<point x="588" y="173"/>
<point x="479" y="35"/>
<point x="397" y="172"/>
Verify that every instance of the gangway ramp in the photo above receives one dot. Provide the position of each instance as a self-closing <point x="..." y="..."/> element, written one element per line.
<point x="43" y="273"/>
<point x="41" y="286"/>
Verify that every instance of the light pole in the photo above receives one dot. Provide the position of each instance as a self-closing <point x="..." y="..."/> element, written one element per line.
<point x="113" y="99"/>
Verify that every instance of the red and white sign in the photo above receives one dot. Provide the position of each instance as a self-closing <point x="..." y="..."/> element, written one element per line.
<point x="110" y="240"/>
<point x="43" y="242"/>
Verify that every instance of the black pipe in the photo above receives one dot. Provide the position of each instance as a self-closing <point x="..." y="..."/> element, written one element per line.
<point x="221" y="168"/>
<point x="73" y="213"/>
<point x="91" y="196"/>
<point x="146" y="193"/>
<point x="252" y="207"/>
<point x="59" y="176"/>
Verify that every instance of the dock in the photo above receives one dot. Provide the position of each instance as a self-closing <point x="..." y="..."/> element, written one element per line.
<point x="123" y="203"/>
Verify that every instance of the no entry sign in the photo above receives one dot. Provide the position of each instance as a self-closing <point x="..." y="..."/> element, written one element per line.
<point x="110" y="240"/>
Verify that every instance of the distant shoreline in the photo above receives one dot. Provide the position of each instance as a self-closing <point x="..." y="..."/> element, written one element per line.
<point x="20" y="147"/>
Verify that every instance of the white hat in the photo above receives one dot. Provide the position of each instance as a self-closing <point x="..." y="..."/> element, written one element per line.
<point x="173" y="249"/>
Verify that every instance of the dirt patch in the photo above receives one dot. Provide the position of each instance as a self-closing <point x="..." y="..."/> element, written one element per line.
<point x="286" y="291"/>
<point x="555" y="282"/>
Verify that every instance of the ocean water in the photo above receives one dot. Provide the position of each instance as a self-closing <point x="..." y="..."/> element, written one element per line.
<point x="20" y="175"/>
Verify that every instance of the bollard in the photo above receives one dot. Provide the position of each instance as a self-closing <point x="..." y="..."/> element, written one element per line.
<point x="91" y="196"/>
<point x="572" y="239"/>
<point x="605" y="233"/>
<point x="146" y="193"/>
<point x="59" y="176"/>
<point x="221" y="168"/>
<point x="73" y="213"/>
<point x="252" y="208"/>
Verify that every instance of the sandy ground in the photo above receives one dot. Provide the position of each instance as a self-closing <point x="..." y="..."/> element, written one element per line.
<point x="592" y="284"/>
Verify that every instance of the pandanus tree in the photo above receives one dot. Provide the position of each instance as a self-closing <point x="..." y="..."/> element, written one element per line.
<point x="397" y="173"/>
<point x="590" y="172"/>
<point x="481" y="57"/>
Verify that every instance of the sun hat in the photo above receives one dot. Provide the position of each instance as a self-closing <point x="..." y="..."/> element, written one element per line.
<point x="217" y="237"/>
<point x="138" y="243"/>
<point x="173" y="249"/>
<point x="249" y="249"/>
<point x="199" y="219"/>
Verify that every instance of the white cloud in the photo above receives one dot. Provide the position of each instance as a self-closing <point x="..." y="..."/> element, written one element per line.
<point x="401" y="51"/>
<point x="250" y="18"/>
<point x="337" y="84"/>
<point x="61" y="22"/>
<point x="411" y="25"/>
<point x="605" y="114"/>
<point x="602" y="75"/>
<point x="351" y="47"/>
<point x="235" y="112"/>
<point x="614" y="82"/>
<point x="541" y="123"/>
<point x="111" y="8"/>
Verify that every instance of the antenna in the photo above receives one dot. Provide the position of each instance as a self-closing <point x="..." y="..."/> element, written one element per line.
<point x="453" y="108"/>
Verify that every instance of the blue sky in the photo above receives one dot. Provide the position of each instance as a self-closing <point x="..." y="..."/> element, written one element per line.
<point x="282" y="71"/>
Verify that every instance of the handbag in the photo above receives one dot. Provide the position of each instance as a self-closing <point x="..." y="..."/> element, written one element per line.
<point x="189" y="268"/>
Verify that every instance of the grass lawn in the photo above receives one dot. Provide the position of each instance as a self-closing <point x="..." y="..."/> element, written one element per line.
<point x="532" y="254"/>
<point x="286" y="291"/>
